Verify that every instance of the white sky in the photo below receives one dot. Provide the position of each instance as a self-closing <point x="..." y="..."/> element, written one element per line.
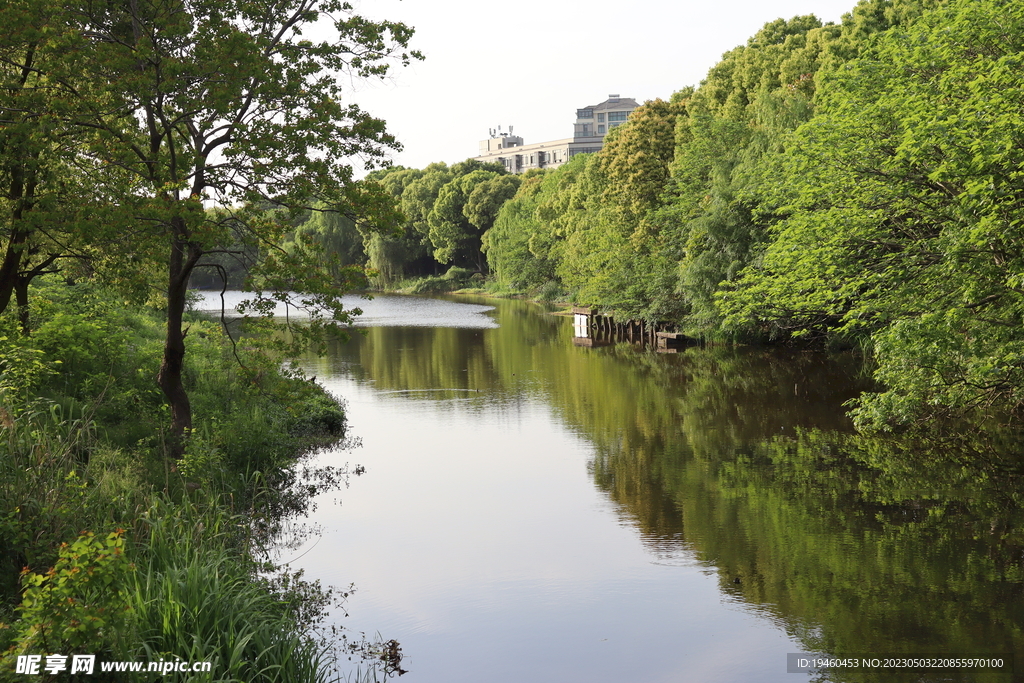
<point x="532" y="63"/>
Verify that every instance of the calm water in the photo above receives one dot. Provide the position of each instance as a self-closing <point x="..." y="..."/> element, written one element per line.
<point x="536" y="511"/>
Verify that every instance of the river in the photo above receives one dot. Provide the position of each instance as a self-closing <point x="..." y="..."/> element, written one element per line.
<point x="533" y="510"/>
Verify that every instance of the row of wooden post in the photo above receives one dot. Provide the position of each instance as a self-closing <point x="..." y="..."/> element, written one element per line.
<point x="603" y="328"/>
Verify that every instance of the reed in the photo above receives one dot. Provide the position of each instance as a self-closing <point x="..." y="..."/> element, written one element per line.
<point x="196" y="596"/>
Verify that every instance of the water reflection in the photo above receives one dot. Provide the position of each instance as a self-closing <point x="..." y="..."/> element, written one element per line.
<point x="734" y="465"/>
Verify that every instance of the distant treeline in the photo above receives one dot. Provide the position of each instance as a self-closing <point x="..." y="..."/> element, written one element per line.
<point x="443" y="213"/>
<point x="841" y="184"/>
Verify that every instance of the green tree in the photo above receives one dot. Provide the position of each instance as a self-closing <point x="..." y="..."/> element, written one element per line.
<point x="518" y="243"/>
<point x="419" y="195"/>
<point x="337" y="236"/>
<point x="55" y="201"/>
<point x="614" y="254"/>
<point x="452" y="233"/>
<point x="905" y="223"/>
<point x="487" y="198"/>
<point x="392" y="254"/>
<point x="635" y="160"/>
<point x="738" y="122"/>
<point x="225" y="103"/>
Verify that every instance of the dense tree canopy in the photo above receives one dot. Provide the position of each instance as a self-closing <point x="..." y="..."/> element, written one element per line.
<point x="191" y="102"/>
<point x="906" y="201"/>
<point x="822" y="182"/>
<point x="851" y="183"/>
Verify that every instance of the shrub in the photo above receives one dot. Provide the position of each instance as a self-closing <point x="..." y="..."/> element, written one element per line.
<point x="80" y="605"/>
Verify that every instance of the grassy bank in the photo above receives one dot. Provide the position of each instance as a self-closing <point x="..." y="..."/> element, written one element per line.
<point x="108" y="546"/>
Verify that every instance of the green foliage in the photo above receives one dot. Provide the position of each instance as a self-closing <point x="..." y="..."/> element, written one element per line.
<point x="445" y="212"/>
<point x="56" y="479"/>
<point x="683" y="197"/>
<point x="211" y="89"/>
<point x="69" y="465"/>
<point x="587" y="223"/>
<point x="829" y="184"/>
<point x="724" y="166"/>
<point x="486" y="198"/>
<point x="148" y="138"/>
<point x="337" y="235"/>
<point x="905" y="190"/>
<point x="22" y="366"/>
<point x="184" y="592"/>
<point x="523" y="246"/>
<point x="194" y="598"/>
<point x="391" y="254"/>
<point x="634" y="162"/>
<point x="453" y="230"/>
<point x="81" y="604"/>
<point x="202" y="461"/>
<point x="55" y="208"/>
<point x="420" y="193"/>
<point x="434" y="284"/>
<point x="453" y="280"/>
<point x="69" y="450"/>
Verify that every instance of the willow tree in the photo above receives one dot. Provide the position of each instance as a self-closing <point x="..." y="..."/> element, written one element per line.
<point x="465" y="209"/>
<point x="224" y="103"/>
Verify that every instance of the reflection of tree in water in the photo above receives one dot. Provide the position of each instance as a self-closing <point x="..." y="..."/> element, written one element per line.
<point x="854" y="545"/>
<point x="742" y="459"/>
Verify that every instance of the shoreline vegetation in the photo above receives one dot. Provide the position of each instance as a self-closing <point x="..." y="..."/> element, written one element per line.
<point x="149" y="457"/>
<point x="851" y="185"/>
<point x="829" y="185"/>
<point x="110" y="547"/>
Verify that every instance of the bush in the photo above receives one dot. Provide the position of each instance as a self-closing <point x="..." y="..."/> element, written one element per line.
<point x="81" y="605"/>
<point x="458" y="274"/>
<point x="429" y="285"/>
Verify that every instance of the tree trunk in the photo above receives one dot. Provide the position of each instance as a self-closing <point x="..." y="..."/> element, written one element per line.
<point x="10" y="267"/>
<point x="481" y="262"/>
<point x="21" y="296"/>
<point x="20" y="195"/>
<point x="183" y="259"/>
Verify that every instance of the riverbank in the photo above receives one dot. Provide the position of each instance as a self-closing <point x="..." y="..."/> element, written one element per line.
<point x="466" y="281"/>
<point x="111" y="548"/>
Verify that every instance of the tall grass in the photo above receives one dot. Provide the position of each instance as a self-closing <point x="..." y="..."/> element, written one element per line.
<point x="56" y="480"/>
<point x="197" y="598"/>
<point x="81" y="450"/>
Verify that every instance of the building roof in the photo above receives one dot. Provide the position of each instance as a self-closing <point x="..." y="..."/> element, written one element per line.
<point x="616" y="103"/>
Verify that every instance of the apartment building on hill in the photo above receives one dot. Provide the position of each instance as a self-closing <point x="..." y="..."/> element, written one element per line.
<point x="592" y="124"/>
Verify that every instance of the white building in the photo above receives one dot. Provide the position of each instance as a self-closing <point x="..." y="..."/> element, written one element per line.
<point x="592" y="124"/>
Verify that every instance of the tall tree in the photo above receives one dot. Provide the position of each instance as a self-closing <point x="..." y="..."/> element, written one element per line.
<point x="403" y="250"/>
<point x="452" y="230"/>
<point x="54" y="195"/>
<point x="905" y="224"/>
<point x="225" y="103"/>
